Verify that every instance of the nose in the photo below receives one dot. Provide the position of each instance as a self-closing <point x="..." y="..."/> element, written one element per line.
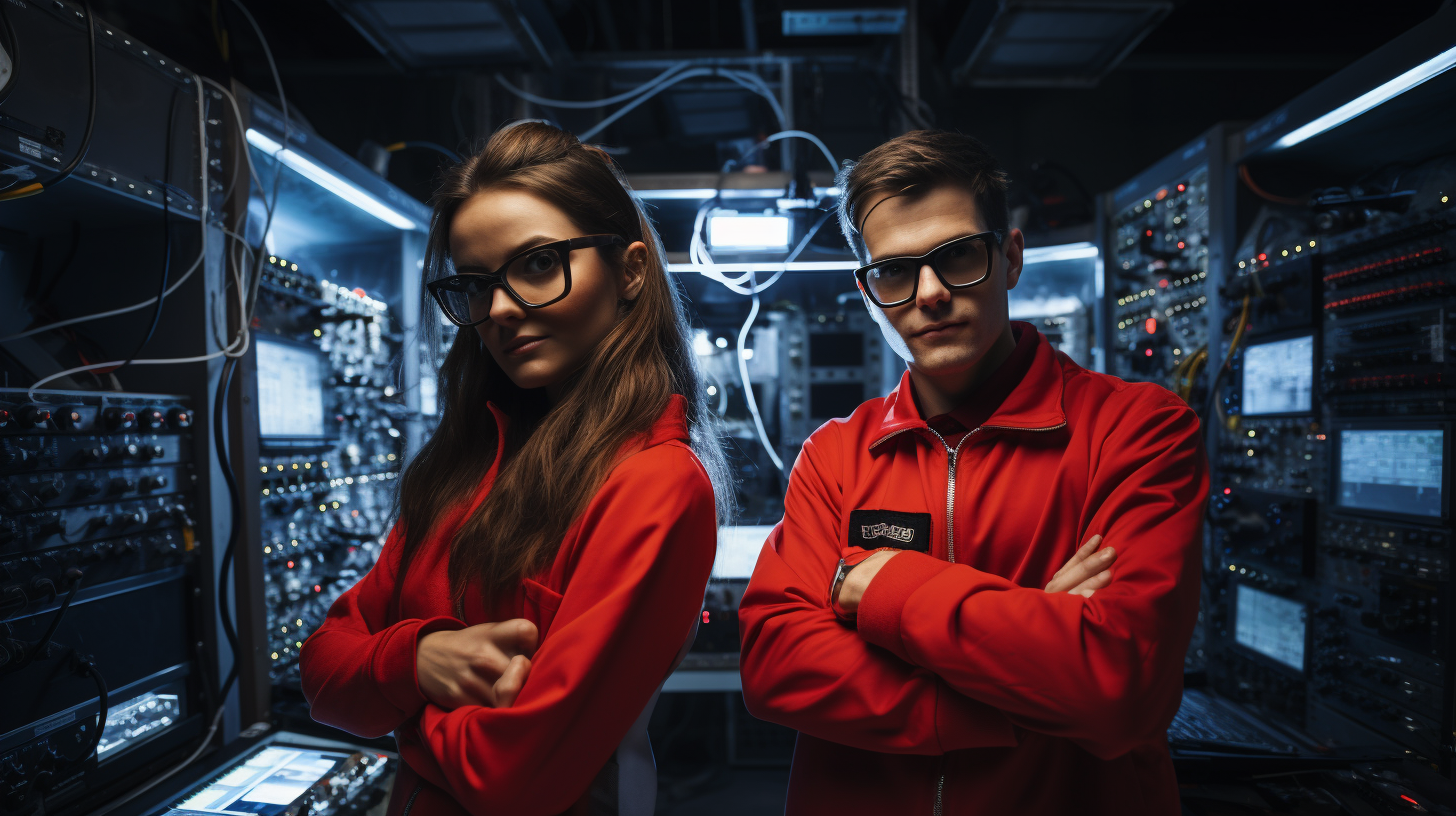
<point x="930" y="292"/>
<point x="503" y="308"/>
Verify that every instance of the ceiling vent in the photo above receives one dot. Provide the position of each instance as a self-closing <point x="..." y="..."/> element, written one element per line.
<point x="1048" y="43"/>
<point x="425" y="34"/>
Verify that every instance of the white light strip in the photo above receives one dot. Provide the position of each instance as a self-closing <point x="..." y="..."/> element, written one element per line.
<point x="1427" y="70"/>
<point x="327" y="180"/>
<point x="797" y="266"/>
<point x="1060" y="252"/>
<point x="705" y="193"/>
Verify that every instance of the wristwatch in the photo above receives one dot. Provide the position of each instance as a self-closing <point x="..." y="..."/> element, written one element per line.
<point x="839" y="573"/>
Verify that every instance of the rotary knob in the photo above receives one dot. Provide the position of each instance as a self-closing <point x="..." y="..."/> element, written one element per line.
<point x="119" y="419"/>
<point x="34" y="416"/>
<point x="179" y="418"/>
<point x="153" y="418"/>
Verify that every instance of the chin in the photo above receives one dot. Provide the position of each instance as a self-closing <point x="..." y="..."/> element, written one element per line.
<point x="941" y="361"/>
<point x="532" y="374"/>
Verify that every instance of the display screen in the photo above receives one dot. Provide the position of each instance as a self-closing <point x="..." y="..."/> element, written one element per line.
<point x="1279" y="377"/>
<point x="738" y="549"/>
<point x="290" y="391"/>
<point x="265" y="783"/>
<point x="1270" y="625"/>
<point x="1391" y="471"/>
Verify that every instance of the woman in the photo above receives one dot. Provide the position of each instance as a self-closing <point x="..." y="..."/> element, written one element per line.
<point x="556" y="533"/>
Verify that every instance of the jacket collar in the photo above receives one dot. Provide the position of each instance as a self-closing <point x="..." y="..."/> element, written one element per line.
<point x="1035" y="404"/>
<point x="671" y="424"/>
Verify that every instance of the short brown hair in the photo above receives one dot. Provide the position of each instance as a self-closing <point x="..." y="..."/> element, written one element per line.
<point x="922" y="159"/>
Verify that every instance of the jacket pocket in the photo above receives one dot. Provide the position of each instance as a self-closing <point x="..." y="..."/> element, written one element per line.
<point x="541" y="605"/>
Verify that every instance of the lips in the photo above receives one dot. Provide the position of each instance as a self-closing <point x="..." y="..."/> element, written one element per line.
<point x="939" y="329"/>
<point x="522" y="344"/>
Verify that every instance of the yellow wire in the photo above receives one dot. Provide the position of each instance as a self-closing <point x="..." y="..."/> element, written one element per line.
<point x="394" y="148"/>
<point x="28" y="190"/>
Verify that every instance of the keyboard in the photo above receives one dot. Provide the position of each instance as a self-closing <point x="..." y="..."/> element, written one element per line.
<point x="1204" y="723"/>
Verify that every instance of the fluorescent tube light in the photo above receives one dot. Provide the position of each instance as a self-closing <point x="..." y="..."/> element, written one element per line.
<point x="748" y="232"/>
<point x="1060" y="252"/>
<point x="329" y="181"/>
<point x="796" y="266"/>
<point x="1427" y="70"/>
<point x="705" y="193"/>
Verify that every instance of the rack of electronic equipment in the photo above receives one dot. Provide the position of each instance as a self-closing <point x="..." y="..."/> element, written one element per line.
<point x="1309" y="330"/>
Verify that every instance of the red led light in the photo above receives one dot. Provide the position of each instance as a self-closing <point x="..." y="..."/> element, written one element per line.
<point x="1148" y="233"/>
<point x="359" y="292"/>
<point x="290" y="565"/>
<point x="1163" y="283"/>
<point x="1152" y="326"/>
<point x="1227" y="491"/>
<point x="1180" y="244"/>
<point x="1147" y="352"/>
<point x="1262" y="256"/>
<point x="1408" y="799"/>
<point x="705" y="616"/>
<point x="1163" y="193"/>
<point x="317" y="588"/>
<point x="1182" y="187"/>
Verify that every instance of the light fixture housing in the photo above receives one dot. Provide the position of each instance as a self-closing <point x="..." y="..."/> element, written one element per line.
<point x="329" y="181"/>
<point x="738" y="232"/>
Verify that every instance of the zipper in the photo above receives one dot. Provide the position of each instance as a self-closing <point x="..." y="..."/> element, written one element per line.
<point x="416" y="792"/>
<point x="950" y="482"/>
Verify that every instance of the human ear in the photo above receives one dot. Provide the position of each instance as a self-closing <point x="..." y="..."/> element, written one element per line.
<point x="1015" y="244"/>
<point x="634" y="270"/>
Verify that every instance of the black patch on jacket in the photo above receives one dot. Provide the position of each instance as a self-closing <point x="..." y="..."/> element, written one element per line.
<point x="871" y="529"/>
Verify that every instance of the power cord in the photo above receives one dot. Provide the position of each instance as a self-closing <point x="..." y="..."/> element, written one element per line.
<point x="35" y="188"/>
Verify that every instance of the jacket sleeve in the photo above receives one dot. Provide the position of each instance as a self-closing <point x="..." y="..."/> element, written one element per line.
<point x="803" y="668"/>
<point x="1106" y="671"/>
<point x="630" y="603"/>
<point x="358" y="672"/>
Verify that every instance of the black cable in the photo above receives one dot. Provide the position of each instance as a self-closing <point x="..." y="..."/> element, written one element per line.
<point x="65" y="173"/>
<point x="219" y="428"/>
<point x="75" y="575"/>
<point x="89" y="668"/>
<point x="166" y="236"/>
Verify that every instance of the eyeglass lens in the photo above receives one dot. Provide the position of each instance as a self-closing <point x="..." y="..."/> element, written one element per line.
<point x="961" y="263"/>
<point x="537" y="278"/>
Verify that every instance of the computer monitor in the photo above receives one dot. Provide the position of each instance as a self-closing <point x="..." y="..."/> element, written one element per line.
<point x="290" y="392"/>
<point x="1395" y="469"/>
<point x="265" y="783"/>
<point x="738" y="549"/>
<point x="1271" y="625"/>
<point x="1279" y="377"/>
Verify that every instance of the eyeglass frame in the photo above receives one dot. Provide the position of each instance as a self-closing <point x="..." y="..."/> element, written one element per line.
<point x="498" y="277"/>
<point x="861" y="274"/>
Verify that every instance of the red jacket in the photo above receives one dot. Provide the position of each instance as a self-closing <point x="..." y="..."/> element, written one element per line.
<point x="967" y="689"/>
<point x="613" y="610"/>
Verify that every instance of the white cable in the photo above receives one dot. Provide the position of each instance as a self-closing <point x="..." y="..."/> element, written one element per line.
<point x="741" y="78"/>
<point x="748" y="387"/>
<point x="590" y="103"/>
<point x="804" y="134"/>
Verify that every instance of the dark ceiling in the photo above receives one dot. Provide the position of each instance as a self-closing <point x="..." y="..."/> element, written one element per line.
<point x="1207" y="61"/>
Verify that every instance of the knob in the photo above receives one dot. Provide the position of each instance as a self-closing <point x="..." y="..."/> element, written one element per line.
<point x="69" y="418"/>
<point x="97" y="522"/>
<point x="179" y="418"/>
<point x="121" y="484"/>
<point x="5" y="419"/>
<point x="153" y="418"/>
<point x="119" y="419"/>
<point x="139" y="517"/>
<point x="34" y="416"/>
<point x="148" y="483"/>
<point x="125" y="451"/>
<point x="86" y="488"/>
<point x="96" y="453"/>
<point x="153" y="451"/>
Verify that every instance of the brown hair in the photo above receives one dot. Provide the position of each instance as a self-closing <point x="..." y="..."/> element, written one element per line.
<point x="556" y="457"/>
<point x="920" y="160"/>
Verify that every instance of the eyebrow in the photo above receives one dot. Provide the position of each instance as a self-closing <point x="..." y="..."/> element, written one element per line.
<point x="529" y="243"/>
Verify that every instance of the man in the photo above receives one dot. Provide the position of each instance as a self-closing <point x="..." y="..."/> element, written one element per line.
<point x="908" y="616"/>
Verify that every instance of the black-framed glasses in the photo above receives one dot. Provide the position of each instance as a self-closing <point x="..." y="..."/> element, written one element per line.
<point x="535" y="277"/>
<point x="959" y="263"/>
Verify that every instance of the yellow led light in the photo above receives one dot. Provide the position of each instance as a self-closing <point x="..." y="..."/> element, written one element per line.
<point x="267" y="550"/>
<point x="307" y="465"/>
<point x="275" y="655"/>
<point x="1444" y="199"/>
<point x="265" y="468"/>
<point x="1148" y="203"/>
<point x="272" y="259"/>
<point x="299" y="621"/>
<point x="265" y="491"/>
<point x="1298" y="249"/>
<point x="318" y="333"/>
<point x="1284" y="252"/>
<point x="1311" y="243"/>
<point x="1251" y="433"/>
<point x="294" y="267"/>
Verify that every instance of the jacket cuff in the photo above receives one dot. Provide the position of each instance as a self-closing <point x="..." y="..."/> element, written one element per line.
<point x="394" y="664"/>
<point x="878" y="616"/>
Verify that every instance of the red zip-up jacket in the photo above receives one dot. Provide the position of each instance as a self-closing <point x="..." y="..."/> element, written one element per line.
<point x="614" y="611"/>
<point x="963" y="687"/>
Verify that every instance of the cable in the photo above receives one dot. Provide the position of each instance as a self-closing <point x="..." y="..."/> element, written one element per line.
<point x="591" y="103"/>
<point x="1248" y="180"/>
<point x="441" y="149"/>
<point x="219" y="438"/>
<point x="803" y="134"/>
<point x="65" y="173"/>
<point x="166" y="236"/>
<point x="103" y="710"/>
<point x="75" y="575"/>
<point x="1233" y="346"/>
<point x="750" y="81"/>
<point x="748" y="387"/>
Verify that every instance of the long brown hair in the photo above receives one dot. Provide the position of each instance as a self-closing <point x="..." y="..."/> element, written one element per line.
<point x="557" y="456"/>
